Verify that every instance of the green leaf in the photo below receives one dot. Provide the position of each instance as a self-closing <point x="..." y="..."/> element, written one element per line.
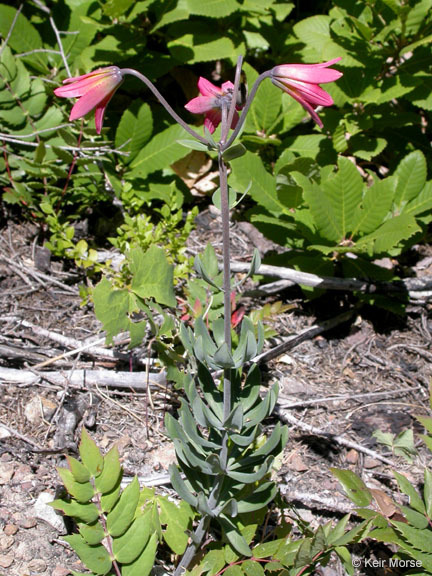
<point x="81" y="491"/>
<point x="78" y="470"/>
<point x="194" y="145"/>
<point x="95" y="558"/>
<point x="129" y="546"/>
<point x="121" y="516"/>
<point x="179" y="486"/>
<point x="411" y="176"/>
<point x="178" y="520"/>
<point x="250" y="168"/>
<point x="389" y="234"/>
<point x="201" y="47"/>
<point x="354" y="486"/>
<point x="213" y="8"/>
<point x="87" y="513"/>
<point x="421" y="203"/>
<point x="90" y="454"/>
<point x="366" y="147"/>
<point x="233" y="152"/>
<point x="234" y="537"/>
<point x="252" y="568"/>
<point x="152" y="275"/>
<point x="162" y="151"/>
<point x="334" y="206"/>
<point x="374" y="207"/>
<point x="24" y="36"/>
<point x="144" y="563"/>
<point x="261" y="496"/>
<point x="111" y="472"/>
<point x="134" y="129"/>
<point x="407" y="488"/>
<point x="92" y="533"/>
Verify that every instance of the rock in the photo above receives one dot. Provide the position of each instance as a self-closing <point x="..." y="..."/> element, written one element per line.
<point x="7" y="470"/>
<point x="39" y="409"/>
<point x="352" y="456"/>
<point x="28" y="523"/>
<point x="36" y="566"/>
<point x="10" y="529"/>
<point x="4" y="433"/>
<point x="6" y="560"/>
<point x="6" y="542"/>
<point x="46" y="513"/>
<point x="60" y="570"/>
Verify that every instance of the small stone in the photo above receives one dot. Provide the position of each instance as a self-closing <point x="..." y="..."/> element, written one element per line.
<point x="10" y="529"/>
<point x="39" y="409"/>
<point x="6" y="542"/>
<point x="28" y="522"/>
<point x="60" y="570"/>
<point x="371" y="462"/>
<point x="46" y="513"/>
<point x="6" y="560"/>
<point x="352" y="456"/>
<point x="4" y="433"/>
<point x="36" y="566"/>
<point x="7" y="470"/>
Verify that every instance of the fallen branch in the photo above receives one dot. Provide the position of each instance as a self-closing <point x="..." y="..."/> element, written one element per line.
<point x="85" y="378"/>
<point x="306" y="334"/>
<point x="410" y="286"/>
<point x="287" y="418"/>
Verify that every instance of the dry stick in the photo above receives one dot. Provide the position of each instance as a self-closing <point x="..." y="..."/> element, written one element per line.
<point x="408" y="285"/>
<point x="285" y="417"/>
<point x="306" y="334"/>
<point x="315" y="401"/>
<point x="85" y="378"/>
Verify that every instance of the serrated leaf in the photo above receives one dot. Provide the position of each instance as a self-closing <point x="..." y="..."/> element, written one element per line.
<point x="407" y="488"/>
<point x="250" y="169"/>
<point x="81" y="491"/>
<point x="96" y="558"/>
<point x="108" y="500"/>
<point x="162" y="151"/>
<point x="374" y="207"/>
<point x="213" y="8"/>
<point x="111" y="472"/>
<point x="354" y="486"/>
<point x="144" y="563"/>
<point x="121" y="516"/>
<point x="334" y="206"/>
<point x="129" y="546"/>
<point x="389" y="234"/>
<point x="201" y="47"/>
<point x="411" y="178"/>
<point x="134" y="130"/>
<point x="90" y="454"/>
<point x="153" y="276"/>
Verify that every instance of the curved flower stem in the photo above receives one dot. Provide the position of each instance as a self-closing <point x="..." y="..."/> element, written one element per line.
<point x="164" y="103"/>
<point x="245" y="111"/>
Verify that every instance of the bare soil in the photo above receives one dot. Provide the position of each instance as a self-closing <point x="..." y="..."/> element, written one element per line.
<point x="370" y="373"/>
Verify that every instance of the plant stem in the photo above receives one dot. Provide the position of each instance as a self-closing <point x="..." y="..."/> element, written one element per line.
<point x="223" y="184"/>
<point x="245" y="111"/>
<point x="164" y="103"/>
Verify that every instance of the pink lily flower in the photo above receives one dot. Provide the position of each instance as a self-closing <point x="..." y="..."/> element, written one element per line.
<point x="301" y="81"/>
<point x="210" y="103"/>
<point x="94" y="91"/>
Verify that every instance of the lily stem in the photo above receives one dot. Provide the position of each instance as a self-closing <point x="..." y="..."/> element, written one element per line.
<point x="164" y="103"/>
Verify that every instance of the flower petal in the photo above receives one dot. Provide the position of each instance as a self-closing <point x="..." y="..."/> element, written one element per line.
<point x="312" y="73"/>
<point x="212" y="120"/>
<point x="206" y="88"/>
<point x="300" y="100"/>
<point x="200" y="104"/>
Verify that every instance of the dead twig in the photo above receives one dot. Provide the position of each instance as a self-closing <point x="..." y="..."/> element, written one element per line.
<point x="286" y="417"/>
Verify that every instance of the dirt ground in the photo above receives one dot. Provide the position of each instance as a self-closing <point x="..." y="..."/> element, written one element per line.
<point x="370" y="373"/>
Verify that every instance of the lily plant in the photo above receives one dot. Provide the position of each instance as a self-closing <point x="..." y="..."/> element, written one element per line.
<point x="224" y="461"/>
